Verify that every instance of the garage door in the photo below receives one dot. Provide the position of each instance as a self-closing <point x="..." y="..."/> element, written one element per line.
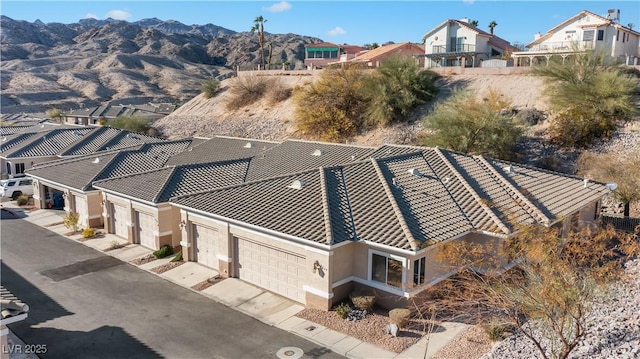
<point x="120" y="221"/>
<point x="205" y="240"/>
<point x="145" y="226"/>
<point x="81" y="210"/>
<point x="272" y="268"/>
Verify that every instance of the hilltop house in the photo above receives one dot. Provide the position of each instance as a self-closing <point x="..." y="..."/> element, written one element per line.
<point x="320" y="54"/>
<point x="311" y="221"/>
<point x="458" y="43"/>
<point x="584" y="31"/>
<point x="93" y="115"/>
<point x="373" y="58"/>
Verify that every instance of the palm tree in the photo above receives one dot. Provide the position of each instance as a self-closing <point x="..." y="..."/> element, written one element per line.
<point x="258" y="25"/>
<point x="492" y="25"/>
<point x="473" y="23"/>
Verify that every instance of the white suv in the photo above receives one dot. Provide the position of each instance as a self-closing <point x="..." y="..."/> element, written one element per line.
<point x="14" y="187"/>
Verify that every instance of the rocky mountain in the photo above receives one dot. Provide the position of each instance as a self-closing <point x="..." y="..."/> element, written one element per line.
<point x="98" y="61"/>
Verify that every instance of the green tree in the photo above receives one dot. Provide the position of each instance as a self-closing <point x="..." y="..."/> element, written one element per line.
<point x="332" y="108"/>
<point x="473" y="23"/>
<point x="590" y="97"/>
<point x="396" y="88"/>
<point x="622" y="169"/>
<point x="130" y="123"/>
<point x="210" y="88"/>
<point x="258" y="26"/>
<point x="468" y="124"/>
<point x="547" y="297"/>
<point x="492" y="25"/>
<point x="374" y="46"/>
<point x="54" y="113"/>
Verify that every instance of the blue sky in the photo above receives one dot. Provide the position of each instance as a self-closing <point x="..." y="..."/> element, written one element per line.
<point x="351" y="22"/>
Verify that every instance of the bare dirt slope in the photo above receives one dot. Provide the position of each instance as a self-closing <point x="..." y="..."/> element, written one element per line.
<point x="209" y="117"/>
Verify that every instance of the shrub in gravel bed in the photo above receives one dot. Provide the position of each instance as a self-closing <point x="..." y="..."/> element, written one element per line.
<point x="363" y="300"/>
<point x="343" y="310"/>
<point x="400" y="317"/>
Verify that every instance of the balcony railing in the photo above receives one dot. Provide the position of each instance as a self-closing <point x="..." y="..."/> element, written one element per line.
<point x="441" y="49"/>
<point x="562" y="46"/>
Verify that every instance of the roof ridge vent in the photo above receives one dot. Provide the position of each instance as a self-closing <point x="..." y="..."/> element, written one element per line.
<point x="297" y="184"/>
<point x="96" y="160"/>
<point x="248" y="145"/>
<point x="318" y="152"/>
<point x="414" y="172"/>
<point x="508" y="169"/>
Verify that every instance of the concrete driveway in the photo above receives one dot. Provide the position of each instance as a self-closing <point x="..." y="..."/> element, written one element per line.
<point x="85" y="304"/>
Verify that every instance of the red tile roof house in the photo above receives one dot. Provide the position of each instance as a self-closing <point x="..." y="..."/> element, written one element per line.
<point x="312" y="221"/>
<point x="458" y="43"/>
<point x="320" y="54"/>
<point x="585" y="30"/>
<point x="373" y="58"/>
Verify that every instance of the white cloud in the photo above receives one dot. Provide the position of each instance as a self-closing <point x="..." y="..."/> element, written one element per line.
<point x="90" y="16"/>
<point x="336" y="31"/>
<point x="279" y="7"/>
<point x="118" y="14"/>
<point x="468" y="2"/>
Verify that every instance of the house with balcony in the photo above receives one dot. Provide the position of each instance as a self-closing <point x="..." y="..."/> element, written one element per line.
<point x="584" y="31"/>
<point x="458" y="43"/>
<point x="321" y="54"/>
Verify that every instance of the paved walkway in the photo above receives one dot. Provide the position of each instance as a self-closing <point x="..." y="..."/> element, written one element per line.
<point x="256" y="302"/>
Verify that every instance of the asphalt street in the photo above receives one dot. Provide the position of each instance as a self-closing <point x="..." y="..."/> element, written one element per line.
<point x="85" y="304"/>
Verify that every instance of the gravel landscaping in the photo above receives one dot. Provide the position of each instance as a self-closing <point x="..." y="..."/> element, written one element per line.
<point x="142" y="260"/>
<point x="371" y="329"/>
<point x="613" y="327"/>
<point x="207" y="283"/>
<point x="470" y="344"/>
<point x="166" y="267"/>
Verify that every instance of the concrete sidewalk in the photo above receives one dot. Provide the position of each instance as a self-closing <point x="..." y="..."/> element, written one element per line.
<point x="253" y="301"/>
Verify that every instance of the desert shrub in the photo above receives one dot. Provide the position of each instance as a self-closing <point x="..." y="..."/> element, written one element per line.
<point x="22" y="200"/>
<point x="400" y="317"/>
<point x="472" y="125"/>
<point x="496" y="330"/>
<point x="53" y="113"/>
<point x="277" y="92"/>
<point x="531" y="116"/>
<point x="245" y="90"/>
<point x="210" y="88"/>
<point x="71" y="220"/>
<point x="343" y="310"/>
<point x="88" y="233"/>
<point x="102" y="122"/>
<point x="164" y="251"/>
<point x="363" y="300"/>
<point x="178" y="257"/>
<point x="591" y="98"/>
<point x="332" y="108"/>
<point x="396" y="87"/>
<point x="130" y="123"/>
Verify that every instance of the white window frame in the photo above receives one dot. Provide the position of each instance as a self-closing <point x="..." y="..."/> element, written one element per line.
<point x="381" y="285"/>
<point x="413" y="269"/>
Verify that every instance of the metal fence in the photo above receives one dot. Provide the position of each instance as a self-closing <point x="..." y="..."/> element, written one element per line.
<point x="627" y="224"/>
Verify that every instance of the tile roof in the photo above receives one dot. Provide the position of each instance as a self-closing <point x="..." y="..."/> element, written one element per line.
<point x="271" y="204"/>
<point x="127" y="139"/>
<point x="10" y="141"/>
<point x="386" y="49"/>
<point x="49" y="143"/>
<point x="92" y="141"/>
<point x="294" y="156"/>
<point x="10" y="305"/>
<point x="12" y="130"/>
<point x="493" y="39"/>
<point x="81" y="172"/>
<point x="401" y="196"/>
<point x="221" y="148"/>
<point x="161" y="184"/>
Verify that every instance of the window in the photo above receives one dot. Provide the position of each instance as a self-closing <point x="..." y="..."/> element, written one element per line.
<point x="587" y="35"/>
<point x="8" y="168"/>
<point x="618" y="35"/>
<point x="25" y="183"/>
<point x="419" y="271"/>
<point x="19" y="168"/>
<point x="386" y="270"/>
<point x="600" y="35"/>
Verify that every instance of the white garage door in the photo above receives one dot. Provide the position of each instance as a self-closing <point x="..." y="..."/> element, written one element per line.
<point x="81" y="210"/>
<point x="272" y="268"/>
<point x="146" y="224"/>
<point x="120" y="221"/>
<point x="205" y="240"/>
